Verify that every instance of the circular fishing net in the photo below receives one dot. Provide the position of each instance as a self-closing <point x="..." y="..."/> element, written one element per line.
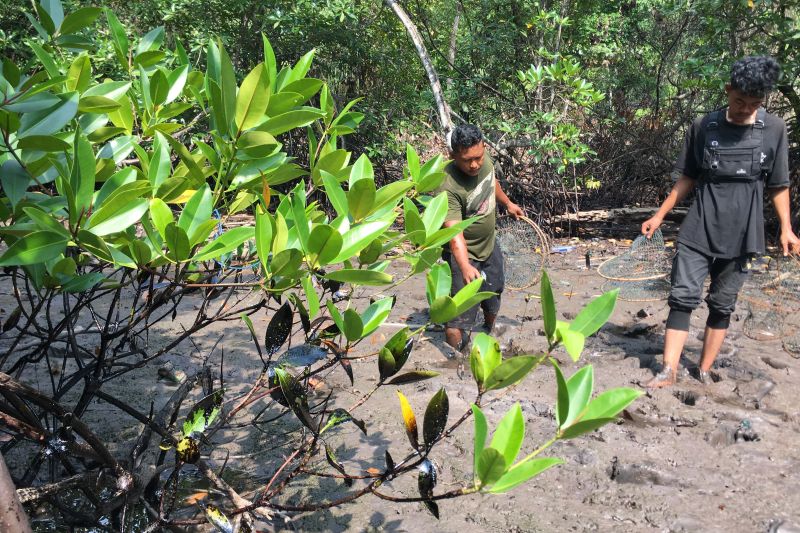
<point x="648" y="290"/>
<point x="772" y="300"/>
<point x="646" y="259"/>
<point x="525" y="247"/>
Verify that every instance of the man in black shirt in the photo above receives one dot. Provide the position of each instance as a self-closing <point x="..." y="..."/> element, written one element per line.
<point x="730" y="156"/>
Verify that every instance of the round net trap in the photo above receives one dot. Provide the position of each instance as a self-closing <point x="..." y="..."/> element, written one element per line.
<point x="648" y="290"/>
<point x="772" y="300"/>
<point x="525" y="247"/>
<point x="645" y="259"/>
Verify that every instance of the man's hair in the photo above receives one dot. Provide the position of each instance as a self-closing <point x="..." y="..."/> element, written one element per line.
<point x="463" y="137"/>
<point x="755" y="75"/>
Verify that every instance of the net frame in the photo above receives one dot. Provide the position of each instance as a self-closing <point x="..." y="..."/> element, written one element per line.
<point x="544" y="245"/>
<point x="637" y="290"/>
<point x="649" y="250"/>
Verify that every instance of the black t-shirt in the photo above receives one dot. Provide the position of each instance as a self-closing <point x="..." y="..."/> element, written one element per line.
<point x="726" y="219"/>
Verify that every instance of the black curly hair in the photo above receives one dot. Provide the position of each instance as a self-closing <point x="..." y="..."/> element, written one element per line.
<point x="464" y="136"/>
<point x="755" y="75"/>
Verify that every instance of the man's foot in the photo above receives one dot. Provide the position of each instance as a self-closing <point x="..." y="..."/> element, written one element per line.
<point x="496" y="330"/>
<point x="666" y="378"/>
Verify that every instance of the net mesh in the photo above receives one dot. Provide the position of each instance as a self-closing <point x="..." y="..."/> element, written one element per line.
<point x="645" y="259"/>
<point x="772" y="300"/>
<point x="525" y="248"/>
<point x="648" y="290"/>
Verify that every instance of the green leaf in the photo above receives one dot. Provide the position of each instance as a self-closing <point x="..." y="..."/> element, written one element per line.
<point x="548" y="307"/>
<point x="270" y="63"/>
<point x="45" y="59"/>
<point x="152" y="40"/>
<point x="362" y="170"/>
<point x="481" y="431"/>
<point x="442" y="310"/>
<point x="353" y="327"/>
<point x="467" y="291"/>
<point x="374" y="315"/>
<point x="435" y="418"/>
<point x="584" y="426"/>
<point x="197" y="210"/>
<point x="361" y="198"/>
<point x="595" y="314"/>
<point x="257" y="144"/>
<point x="562" y="395"/>
<point x="290" y="120"/>
<point x="412" y="160"/>
<point x="114" y="90"/>
<point x="610" y="403"/>
<point x="485" y="357"/>
<point x="311" y="296"/>
<point x="324" y="244"/>
<point x="439" y="281"/>
<point x="336" y="195"/>
<point x="573" y="341"/>
<point x="412" y="377"/>
<point x="508" y="436"/>
<point x="388" y="195"/>
<point x="441" y="236"/>
<point x="203" y="413"/>
<point x="79" y="75"/>
<point x="121" y="43"/>
<point x="228" y="241"/>
<point x="177" y="242"/>
<point x="511" y="371"/>
<point x="82" y="178"/>
<point x="435" y="213"/>
<point x="114" y="186"/>
<point x="579" y="387"/>
<point x="97" y="104"/>
<point x="359" y="237"/>
<point x="522" y="472"/>
<point x="359" y="277"/>
<point x="264" y="233"/>
<point x="45" y="143"/>
<point x="36" y="247"/>
<point x="340" y="416"/>
<point x="116" y="216"/>
<point x="46" y="221"/>
<point x="286" y="263"/>
<point x="176" y="80"/>
<point x="160" y="165"/>
<point x="15" y="181"/>
<point x="55" y="10"/>
<point x="161" y="215"/>
<point x="79" y="19"/>
<point x="414" y="226"/>
<point x="491" y="466"/>
<point x="253" y="98"/>
<point x="386" y="364"/>
<point x="50" y="120"/>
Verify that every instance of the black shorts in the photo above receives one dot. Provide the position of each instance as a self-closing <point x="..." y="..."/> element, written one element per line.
<point x="495" y="282"/>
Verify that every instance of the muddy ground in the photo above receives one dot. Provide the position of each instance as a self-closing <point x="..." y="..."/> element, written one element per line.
<point x="680" y="459"/>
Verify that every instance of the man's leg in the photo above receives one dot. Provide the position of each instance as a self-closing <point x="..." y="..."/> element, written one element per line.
<point x="495" y="282"/>
<point x="457" y="331"/>
<point x="689" y="270"/>
<point x="727" y="278"/>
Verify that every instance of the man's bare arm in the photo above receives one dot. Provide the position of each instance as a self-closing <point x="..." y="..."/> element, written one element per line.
<point x="681" y="189"/>
<point x="458" y="247"/>
<point x="781" y="200"/>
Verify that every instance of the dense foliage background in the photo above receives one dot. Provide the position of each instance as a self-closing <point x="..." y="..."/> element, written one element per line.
<point x="586" y="96"/>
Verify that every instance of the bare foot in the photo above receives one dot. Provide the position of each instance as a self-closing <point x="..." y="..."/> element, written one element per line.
<point x="665" y="378"/>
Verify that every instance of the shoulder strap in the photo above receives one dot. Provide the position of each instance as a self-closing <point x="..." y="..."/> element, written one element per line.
<point x="712" y="127"/>
<point x="758" y="135"/>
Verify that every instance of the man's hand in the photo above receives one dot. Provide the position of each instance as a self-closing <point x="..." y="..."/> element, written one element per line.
<point x="514" y="210"/>
<point x="789" y="242"/>
<point x="650" y="225"/>
<point x="469" y="273"/>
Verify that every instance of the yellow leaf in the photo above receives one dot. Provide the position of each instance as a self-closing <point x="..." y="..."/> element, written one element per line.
<point x="184" y="197"/>
<point x="751" y="4"/>
<point x="266" y="192"/>
<point x="409" y="419"/>
<point x="196" y="497"/>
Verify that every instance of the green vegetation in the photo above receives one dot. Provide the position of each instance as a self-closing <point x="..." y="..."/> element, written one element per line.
<point x="132" y="137"/>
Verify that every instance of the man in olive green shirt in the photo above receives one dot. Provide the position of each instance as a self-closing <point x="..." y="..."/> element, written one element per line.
<point x="473" y="191"/>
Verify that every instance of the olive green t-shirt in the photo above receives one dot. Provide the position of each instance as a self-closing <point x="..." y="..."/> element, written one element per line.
<point x="473" y="196"/>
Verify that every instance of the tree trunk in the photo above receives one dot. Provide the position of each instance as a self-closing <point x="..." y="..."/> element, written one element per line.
<point x="433" y="78"/>
<point x="12" y="515"/>
<point x="451" y="52"/>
